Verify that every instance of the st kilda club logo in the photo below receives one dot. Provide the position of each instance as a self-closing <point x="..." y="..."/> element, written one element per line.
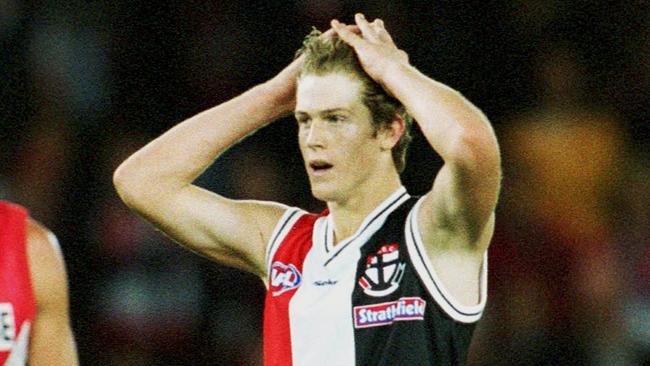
<point x="383" y="272"/>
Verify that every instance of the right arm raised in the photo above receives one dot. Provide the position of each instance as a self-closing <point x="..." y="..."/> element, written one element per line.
<point x="156" y="181"/>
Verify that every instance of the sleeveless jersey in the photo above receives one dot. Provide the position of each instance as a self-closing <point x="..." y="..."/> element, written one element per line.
<point x="17" y="303"/>
<point x="374" y="299"/>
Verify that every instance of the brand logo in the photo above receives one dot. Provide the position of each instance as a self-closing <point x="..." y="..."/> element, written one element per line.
<point x="406" y="308"/>
<point x="383" y="272"/>
<point x="284" y="278"/>
<point x="327" y="282"/>
<point x="7" y="326"/>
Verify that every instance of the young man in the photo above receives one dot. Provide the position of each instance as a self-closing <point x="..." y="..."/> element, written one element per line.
<point x="379" y="278"/>
<point x="34" y="318"/>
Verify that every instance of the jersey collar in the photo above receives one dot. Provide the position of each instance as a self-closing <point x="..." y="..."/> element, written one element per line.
<point x="368" y="227"/>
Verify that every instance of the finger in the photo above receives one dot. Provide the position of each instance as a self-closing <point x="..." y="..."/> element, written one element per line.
<point x="346" y="34"/>
<point x="331" y="32"/>
<point x="378" y="31"/>
<point x="366" y="30"/>
<point x="354" y="28"/>
<point x="382" y="33"/>
<point x="327" y="34"/>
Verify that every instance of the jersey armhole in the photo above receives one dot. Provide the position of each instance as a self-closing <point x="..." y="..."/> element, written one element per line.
<point x="282" y="228"/>
<point x="436" y="288"/>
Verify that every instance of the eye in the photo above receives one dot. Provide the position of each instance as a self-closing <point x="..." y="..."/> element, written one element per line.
<point x="336" y="118"/>
<point x="302" y="120"/>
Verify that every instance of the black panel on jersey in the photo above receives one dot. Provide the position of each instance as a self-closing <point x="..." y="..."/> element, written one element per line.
<point x="391" y="332"/>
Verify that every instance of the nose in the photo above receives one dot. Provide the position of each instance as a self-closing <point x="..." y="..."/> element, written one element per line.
<point x="316" y="135"/>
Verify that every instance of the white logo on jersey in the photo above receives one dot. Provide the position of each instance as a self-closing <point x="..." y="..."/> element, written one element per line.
<point x="383" y="272"/>
<point x="7" y="326"/>
<point x="284" y="278"/>
<point x="386" y="313"/>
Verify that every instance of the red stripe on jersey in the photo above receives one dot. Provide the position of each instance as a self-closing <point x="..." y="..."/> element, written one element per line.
<point x="16" y="295"/>
<point x="285" y="277"/>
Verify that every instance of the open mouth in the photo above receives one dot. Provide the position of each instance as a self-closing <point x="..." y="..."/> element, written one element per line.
<point x="319" y="166"/>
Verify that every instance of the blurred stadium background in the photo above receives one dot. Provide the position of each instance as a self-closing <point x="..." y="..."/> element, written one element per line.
<point x="565" y="83"/>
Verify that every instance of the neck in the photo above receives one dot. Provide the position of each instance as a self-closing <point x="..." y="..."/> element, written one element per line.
<point x="348" y="215"/>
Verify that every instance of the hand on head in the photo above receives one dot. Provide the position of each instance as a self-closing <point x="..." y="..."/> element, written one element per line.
<point x="353" y="28"/>
<point x="373" y="44"/>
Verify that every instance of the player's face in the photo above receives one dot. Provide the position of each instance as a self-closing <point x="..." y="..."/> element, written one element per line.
<point x="337" y="139"/>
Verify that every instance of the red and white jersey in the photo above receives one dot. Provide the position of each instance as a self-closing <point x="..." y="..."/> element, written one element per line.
<point x="374" y="299"/>
<point x="17" y="303"/>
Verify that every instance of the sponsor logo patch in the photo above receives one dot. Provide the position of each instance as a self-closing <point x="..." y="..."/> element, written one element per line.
<point x="386" y="313"/>
<point x="383" y="272"/>
<point x="284" y="278"/>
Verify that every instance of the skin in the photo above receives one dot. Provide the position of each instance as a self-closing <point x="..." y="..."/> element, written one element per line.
<point x="52" y="341"/>
<point x="335" y="127"/>
<point x="456" y="218"/>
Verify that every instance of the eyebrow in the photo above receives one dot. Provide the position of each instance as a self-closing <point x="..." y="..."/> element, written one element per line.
<point x="324" y="112"/>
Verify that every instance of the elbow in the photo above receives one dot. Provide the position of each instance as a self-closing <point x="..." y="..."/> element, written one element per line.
<point x="121" y="182"/>
<point x="142" y="188"/>
<point x="127" y="184"/>
<point x="477" y="150"/>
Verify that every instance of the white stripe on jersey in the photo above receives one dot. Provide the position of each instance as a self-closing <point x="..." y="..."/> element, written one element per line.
<point x="321" y="322"/>
<point x="435" y="287"/>
<point x="280" y="231"/>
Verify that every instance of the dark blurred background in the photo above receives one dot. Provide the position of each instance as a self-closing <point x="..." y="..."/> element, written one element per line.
<point x="565" y="83"/>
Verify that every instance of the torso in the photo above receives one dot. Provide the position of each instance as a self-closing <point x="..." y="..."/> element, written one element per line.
<point x="17" y="304"/>
<point x="373" y="299"/>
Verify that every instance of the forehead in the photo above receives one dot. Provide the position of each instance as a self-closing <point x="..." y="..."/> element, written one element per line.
<point x="330" y="91"/>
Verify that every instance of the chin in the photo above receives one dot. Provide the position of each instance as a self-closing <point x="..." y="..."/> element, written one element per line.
<point x="321" y="194"/>
<point x="324" y="193"/>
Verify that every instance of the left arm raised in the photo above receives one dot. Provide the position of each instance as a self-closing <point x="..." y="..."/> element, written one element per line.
<point x="464" y="193"/>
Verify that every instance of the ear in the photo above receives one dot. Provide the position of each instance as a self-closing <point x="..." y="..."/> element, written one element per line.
<point x="391" y="135"/>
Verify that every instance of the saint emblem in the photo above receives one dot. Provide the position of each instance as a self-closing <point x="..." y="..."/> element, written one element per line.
<point x="383" y="272"/>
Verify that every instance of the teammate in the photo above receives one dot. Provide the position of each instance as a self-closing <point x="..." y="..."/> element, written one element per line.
<point x="34" y="318"/>
<point x="379" y="278"/>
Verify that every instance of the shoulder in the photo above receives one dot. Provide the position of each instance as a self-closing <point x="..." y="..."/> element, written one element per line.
<point x="47" y="267"/>
<point x="291" y="238"/>
<point x="6" y="206"/>
<point x="11" y="213"/>
<point x="41" y="242"/>
<point x="295" y="222"/>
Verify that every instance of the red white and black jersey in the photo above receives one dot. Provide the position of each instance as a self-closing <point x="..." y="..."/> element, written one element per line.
<point x="17" y="303"/>
<point x="374" y="299"/>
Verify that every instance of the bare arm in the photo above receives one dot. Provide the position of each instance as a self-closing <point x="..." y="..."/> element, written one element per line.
<point x="464" y="193"/>
<point x="456" y="217"/>
<point x="156" y="181"/>
<point x="52" y="341"/>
